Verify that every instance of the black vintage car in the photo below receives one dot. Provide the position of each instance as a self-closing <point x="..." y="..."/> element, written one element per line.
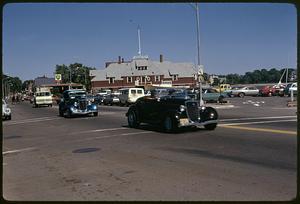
<point x="76" y="102"/>
<point x="171" y="111"/>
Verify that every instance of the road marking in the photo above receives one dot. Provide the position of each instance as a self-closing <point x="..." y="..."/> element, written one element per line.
<point x="33" y="120"/>
<point x="116" y="135"/>
<point x="100" y="130"/>
<point x="258" y="122"/>
<point x="18" y="150"/>
<point x="261" y="129"/>
<point x="272" y="117"/>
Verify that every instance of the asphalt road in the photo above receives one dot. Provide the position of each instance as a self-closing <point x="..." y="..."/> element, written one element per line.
<point x="251" y="156"/>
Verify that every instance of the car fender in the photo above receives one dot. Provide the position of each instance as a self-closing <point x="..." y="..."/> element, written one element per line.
<point x="171" y="113"/>
<point x="208" y="113"/>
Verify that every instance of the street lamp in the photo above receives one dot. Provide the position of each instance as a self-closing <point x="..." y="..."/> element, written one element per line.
<point x="200" y="70"/>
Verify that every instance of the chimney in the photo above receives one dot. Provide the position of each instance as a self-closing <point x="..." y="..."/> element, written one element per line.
<point x="119" y="60"/>
<point x="160" y="58"/>
<point x="122" y="60"/>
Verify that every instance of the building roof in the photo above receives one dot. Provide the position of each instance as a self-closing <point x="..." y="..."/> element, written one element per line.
<point x="39" y="81"/>
<point x="165" y="68"/>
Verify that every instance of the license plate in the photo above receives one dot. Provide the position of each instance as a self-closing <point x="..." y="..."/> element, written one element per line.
<point x="184" y="121"/>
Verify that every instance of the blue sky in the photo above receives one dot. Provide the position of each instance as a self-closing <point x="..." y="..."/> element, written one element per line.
<point x="234" y="37"/>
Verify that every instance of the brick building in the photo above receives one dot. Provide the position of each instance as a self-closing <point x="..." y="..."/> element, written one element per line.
<point x="141" y="71"/>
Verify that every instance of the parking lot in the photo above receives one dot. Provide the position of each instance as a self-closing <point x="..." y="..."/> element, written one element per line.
<point x="250" y="156"/>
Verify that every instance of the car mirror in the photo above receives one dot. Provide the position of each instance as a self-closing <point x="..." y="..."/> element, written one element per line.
<point x="158" y="99"/>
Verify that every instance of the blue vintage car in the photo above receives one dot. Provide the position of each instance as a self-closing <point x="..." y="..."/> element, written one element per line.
<point x="76" y="102"/>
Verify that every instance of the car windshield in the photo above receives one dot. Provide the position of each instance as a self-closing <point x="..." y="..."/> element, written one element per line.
<point x="77" y="95"/>
<point x="238" y="87"/>
<point x="43" y="94"/>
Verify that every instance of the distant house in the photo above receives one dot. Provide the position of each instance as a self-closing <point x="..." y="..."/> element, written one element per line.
<point x="143" y="72"/>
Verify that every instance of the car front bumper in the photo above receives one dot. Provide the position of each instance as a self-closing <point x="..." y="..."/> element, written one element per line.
<point x="184" y="122"/>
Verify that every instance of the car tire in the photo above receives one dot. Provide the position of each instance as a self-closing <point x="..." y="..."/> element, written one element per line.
<point x="241" y="95"/>
<point x="95" y="114"/>
<point x="61" y="113"/>
<point x="169" y="125"/>
<point x="210" y="126"/>
<point x="68" y="114"/>
<point x="221" y="99"/>
<point x="132" y="119"/>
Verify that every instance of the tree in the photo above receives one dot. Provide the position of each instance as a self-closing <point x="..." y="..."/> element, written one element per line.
<point x="14" y="84"/>
<point x="79" y="74"/>
<point x="25" y="84"/>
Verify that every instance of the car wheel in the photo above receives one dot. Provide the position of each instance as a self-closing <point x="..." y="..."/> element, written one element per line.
<point x="210" y="126"/>
<point x="241" y="95"/>
<point x="68" y="114"/>
<point x="95" y="114"/>
<point x="169" y="125"/>
<point x="132" y="119"/>
<point x="61" y="113"/>
<point x="221" y="99"/>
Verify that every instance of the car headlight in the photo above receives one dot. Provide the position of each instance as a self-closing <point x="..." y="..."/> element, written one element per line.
<point x="72" y="108"/>
<point x="75" y="104"/>
<point x="89" y="103"/>
<point x="182" y="108"/>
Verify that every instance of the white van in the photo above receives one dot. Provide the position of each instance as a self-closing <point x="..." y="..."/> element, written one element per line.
<point x="130" y="95"/>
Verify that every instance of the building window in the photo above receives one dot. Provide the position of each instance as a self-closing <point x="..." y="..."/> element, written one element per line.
<point x="141" y="67"/>
<point x="175" y="77"/>
<point x="157" y="78"/>
<point x="111" y="80"/>
<point x="129" y="79"/>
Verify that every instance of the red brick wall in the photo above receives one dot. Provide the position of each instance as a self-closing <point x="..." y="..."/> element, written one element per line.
<point x="123" y="83"/>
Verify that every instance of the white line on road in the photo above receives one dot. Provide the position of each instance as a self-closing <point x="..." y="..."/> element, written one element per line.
<point x="116" y="135"/>
<point x="18" y="150"/>
<point x="258" y="122"/>
<point x="99" y="130"/>
<point x="272" y="117"/>
<point x="34" y="120"/>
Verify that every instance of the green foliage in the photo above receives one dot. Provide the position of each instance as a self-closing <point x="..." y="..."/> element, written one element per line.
<point x="14" y="84"/>
<point x="79" y="74"/>
<point x="259" y="76"/>
<point x="25" y="84"/>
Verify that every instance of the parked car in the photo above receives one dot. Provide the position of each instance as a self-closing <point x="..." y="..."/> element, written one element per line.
<point x="130" y="95"/>
<point x="267" y="91"/>
<point x="6" y="111"/>
<point x="242" y="91"/>
<point x="98" y="99"/>
<point x="211" y="95"/>
<point x="171" y="111"/>
<point x="223" y="87"/>
<point x="279" y="89"/>
<point x="289" y="88"/>
<point x="75" y="102"/>
<point x="111" y="99"/>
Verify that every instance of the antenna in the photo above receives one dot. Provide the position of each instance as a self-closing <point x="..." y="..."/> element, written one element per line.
<point x="139" y="39"/>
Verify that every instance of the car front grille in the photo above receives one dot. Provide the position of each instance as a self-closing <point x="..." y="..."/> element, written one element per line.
<point x="192" y="110"/>
<point x="82" y="105"/>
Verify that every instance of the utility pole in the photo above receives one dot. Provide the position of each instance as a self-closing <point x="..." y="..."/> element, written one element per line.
<point x="200" y="70"/>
